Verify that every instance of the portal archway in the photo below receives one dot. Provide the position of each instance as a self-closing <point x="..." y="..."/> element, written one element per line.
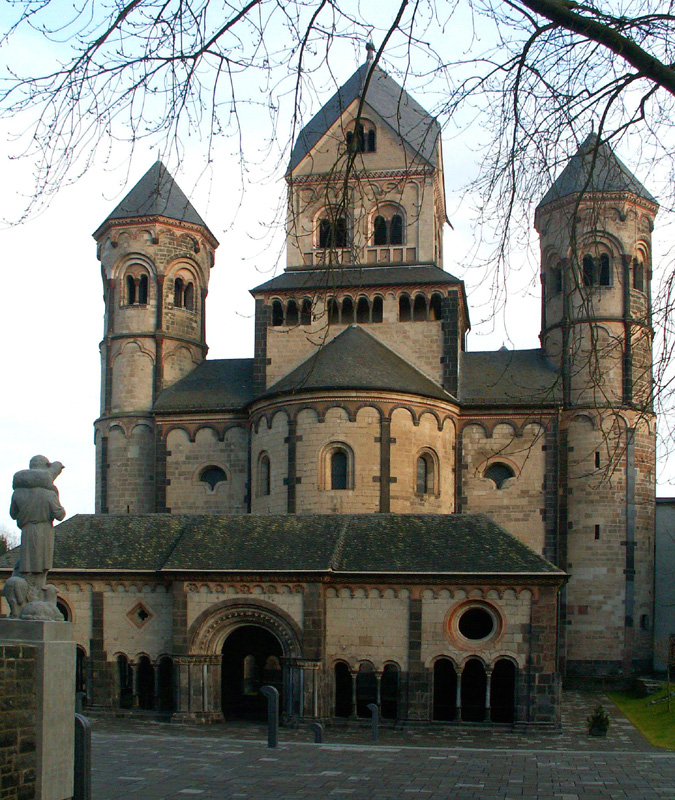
<point x="251" y="659"/>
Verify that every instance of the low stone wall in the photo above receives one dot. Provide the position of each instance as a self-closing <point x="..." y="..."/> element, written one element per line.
<point x="18" y="667"/>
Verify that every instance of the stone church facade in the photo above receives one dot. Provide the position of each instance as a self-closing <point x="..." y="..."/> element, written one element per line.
<point x="365" y="511"/>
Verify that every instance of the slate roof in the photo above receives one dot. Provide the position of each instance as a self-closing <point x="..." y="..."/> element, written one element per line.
<point x="609" y="174"/>
<point x="340" y="277"/>
<point x="355" y="359"/>
<point x="156" y="194"/>
<point x="392" y="103"/>
<point x="366" y="543"/>
<point x="508" y="377"/>
<point x="218" y="385"/>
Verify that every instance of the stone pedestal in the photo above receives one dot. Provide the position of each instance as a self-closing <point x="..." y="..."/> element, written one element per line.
<point x="50" y="647"/>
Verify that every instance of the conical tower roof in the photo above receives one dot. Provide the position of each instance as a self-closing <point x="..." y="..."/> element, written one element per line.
<point x="595" y="168"/>
<point x="156" y="195"/>
<point x="391" y="102"/>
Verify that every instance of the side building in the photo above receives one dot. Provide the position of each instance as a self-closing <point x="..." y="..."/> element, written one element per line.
<point x="365" y="511"/>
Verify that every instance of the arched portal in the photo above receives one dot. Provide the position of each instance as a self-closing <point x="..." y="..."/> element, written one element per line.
<point x="251" y="659"/>
<point x="445" y="691"/>
<point x="145" y="681"/>
<point x="366" y="689"/>
<point x="503" y="691"/>
<point x="343" y="690"/>
<point x="474" y="687"/>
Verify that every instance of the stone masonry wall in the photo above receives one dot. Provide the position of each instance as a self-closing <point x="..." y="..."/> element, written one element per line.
<point x="18" y="671"/>
<point x="519" y="504"/>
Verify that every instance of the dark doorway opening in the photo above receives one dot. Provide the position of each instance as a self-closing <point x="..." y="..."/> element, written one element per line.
<point x="251" y="659"/>
<point x="389" y="692"/>
<point x="146" y="684"/>
<point x="503" y="691"/>
<point x="474" y="687"/>
<point x="445" y="691"/>
<point x="343" y="690"/>
<point x="165" y="690"/>
<point x="366" y="689"/>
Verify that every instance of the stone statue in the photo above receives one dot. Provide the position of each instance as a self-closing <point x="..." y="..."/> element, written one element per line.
<point x="35" y="505"/>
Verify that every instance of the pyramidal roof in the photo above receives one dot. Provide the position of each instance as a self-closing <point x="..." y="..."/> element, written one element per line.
<point x="355" y="359"/>
<point x="595" y="168"/>
<point x="391" y="102"/>
<point x="157" y="195"/>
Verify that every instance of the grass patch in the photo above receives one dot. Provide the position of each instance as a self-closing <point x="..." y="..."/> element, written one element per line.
<point x="653" y="720"/>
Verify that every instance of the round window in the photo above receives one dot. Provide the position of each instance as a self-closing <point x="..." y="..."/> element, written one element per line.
<point x="476" y="623"/>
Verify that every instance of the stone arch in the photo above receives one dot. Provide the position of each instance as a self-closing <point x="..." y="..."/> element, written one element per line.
<point x="210" y="629"/>
<point x="434" y="414"/>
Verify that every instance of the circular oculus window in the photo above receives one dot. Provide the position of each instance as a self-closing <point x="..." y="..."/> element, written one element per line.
<point x="475" y="624"/>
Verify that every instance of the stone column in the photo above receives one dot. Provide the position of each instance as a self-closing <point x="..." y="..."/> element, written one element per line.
<point x="50" y="647"/>
<point x="458" y="697"/>
<point x="198" y="687"/>
<point x="488" y="681"/>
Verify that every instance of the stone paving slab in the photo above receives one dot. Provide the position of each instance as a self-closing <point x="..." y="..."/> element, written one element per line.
<point x="230" y="762"/>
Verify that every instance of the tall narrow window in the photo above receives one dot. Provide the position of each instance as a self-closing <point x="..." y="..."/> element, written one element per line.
<point x="379" y="230"/>
<point x="404" y="309"/>
<point x="178" y="290"/>
<point x="189" y="297"/>
<point x="264" y="475"/>
<point x="420" y="308"/>
<point x="347" y="311"/>
<point x="333" y="312"/>
<point x="596" y="271"/>
<point x="339" y="464"/>
<point x="377" y="314"/>
<point x="371" y="141"/>
<point x="363" y="310"/>
<point x="396" y="230"/>
<point x="332" y="233"/>
<point x="292" y="313"/>
<point x="277" y="313"/>
<point x="435" y="307"/>
<point x="306" y="312"/>
<point x="131" y="290"/>
<point x="425" y="474"/>
<point x="143" y="290"/>
<point x="388" y="225"/>
<point x="638" y="275"/>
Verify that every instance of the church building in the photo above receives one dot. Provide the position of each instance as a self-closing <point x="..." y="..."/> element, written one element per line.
<point x="365" y="511"/>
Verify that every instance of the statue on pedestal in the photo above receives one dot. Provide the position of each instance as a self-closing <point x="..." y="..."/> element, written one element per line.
<point x="35" y="505"/>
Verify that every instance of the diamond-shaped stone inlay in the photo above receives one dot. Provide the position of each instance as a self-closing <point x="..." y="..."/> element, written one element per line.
<point x="139" y="615"/>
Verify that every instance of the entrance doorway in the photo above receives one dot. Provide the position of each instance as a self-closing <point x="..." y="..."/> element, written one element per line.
<point x="251" y="659"/>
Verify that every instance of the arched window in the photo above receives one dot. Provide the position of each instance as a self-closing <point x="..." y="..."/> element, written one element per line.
<point x="212" y="476"/>
<point x="339" y="464"/>
<point x="596" y="271"/>
<point x="425" y="474"/>
<point x="388" y="225"/>
<point x="336" y="467"/>
<point x="638" y="275"/>
<point x="143" y="290"/>
<point x="332" y="233"/>
<point x="189" y="296"/>
<point x="178" y="292"/>
<point x="404" y="309"/>
<point x="361" y="138"/>
<point x="498" y="473"/>
<point x="554" y="283"/>
<point x="347" y="311"/>
<point x="363" y="310"/>
<point x="420" y="308"/>
<point x="377" y="313"/>
<point x="131" y="290"/>
<point x="333" y="312"/>
<point x="263" y="475"/>
<point x="277" y="313"/>
<point x="306" y="312"/>
<point x="435" y="307"/>
<point x="292" y="313"/>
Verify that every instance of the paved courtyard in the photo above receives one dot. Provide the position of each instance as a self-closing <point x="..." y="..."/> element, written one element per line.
<point x="161" y="762"/>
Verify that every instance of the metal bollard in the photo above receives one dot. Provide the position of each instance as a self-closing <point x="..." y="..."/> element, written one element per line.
<point x="317" y="729"/>
<point x="272" y="696"/>
<point x="375" y="711"/>
<point x="82" y="783"/>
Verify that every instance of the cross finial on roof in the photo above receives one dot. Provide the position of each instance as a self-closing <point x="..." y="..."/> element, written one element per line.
<point x="370" y="52"/>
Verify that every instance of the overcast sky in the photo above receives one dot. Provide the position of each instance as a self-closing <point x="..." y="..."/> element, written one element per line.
<point x="52" y="310"/>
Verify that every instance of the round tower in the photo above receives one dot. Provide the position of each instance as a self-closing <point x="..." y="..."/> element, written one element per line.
<point x="595" y="227"/>
<point x="156" y="253"/>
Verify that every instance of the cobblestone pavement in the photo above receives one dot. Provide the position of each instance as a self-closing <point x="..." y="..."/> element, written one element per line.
<point x="153" y="761"/>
